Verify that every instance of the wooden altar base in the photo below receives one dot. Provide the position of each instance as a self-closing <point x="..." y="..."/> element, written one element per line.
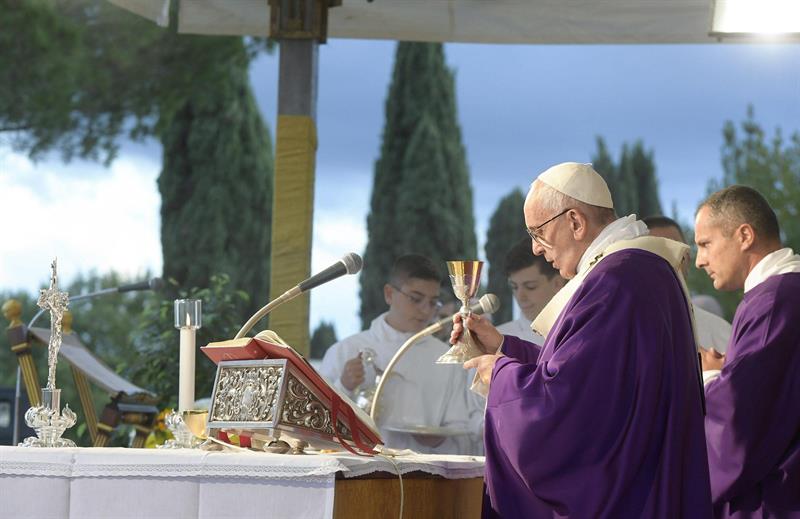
<point x="426" y="496"/>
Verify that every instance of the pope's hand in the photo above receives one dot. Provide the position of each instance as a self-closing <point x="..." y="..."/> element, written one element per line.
<point x="353" y="373"/>
<point x="486" y="336"/>
<point x="484" y="366"/>
<point x="711" y="359"/>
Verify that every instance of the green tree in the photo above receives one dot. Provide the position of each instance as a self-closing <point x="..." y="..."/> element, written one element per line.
<point x="216" y="184"/>
<point x="323" y="337"/>
<point x="506" y="227"/>
<point x="632" y="180"/>
<point x="421" y="179"/>
<point x="78" y="76"/>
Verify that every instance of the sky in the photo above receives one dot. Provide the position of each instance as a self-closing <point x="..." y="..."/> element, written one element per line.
<point x="521" y="109"/>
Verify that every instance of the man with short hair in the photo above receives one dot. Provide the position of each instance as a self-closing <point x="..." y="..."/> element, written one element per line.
<point x="533" y="282"/>
<point x="713" y="332"/>
<point x="419" y="394"/>
<point x="753" y="420"/>
<point x="605" y="419"/>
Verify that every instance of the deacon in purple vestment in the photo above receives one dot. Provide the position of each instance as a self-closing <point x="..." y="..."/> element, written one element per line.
<point x="753" y="420"/>
<point x="606" y="420"/>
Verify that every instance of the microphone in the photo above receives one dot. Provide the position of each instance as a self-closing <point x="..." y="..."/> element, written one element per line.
<point x="487" y="304"/>
<point x="349" y="264"/>
<point x="151" y="284"/>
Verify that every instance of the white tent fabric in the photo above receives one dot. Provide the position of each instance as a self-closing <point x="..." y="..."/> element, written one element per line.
<point x="74" y="352"/>
<point x="482" y="21"/>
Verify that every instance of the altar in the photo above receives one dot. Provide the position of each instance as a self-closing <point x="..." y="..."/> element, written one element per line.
<point x="111" y="483"/>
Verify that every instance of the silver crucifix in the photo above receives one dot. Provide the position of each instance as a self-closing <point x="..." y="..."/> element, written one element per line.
<point x="56" y="302"/>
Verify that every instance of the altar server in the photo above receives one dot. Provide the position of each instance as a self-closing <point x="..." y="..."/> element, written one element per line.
<point x="605" y="420"/>
<point x="753" y="420"/>
<point x="533" y="282"/>
<point x="424" y="406"/>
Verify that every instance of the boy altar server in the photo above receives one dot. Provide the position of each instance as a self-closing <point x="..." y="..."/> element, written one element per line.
<point x="419" y="395"/>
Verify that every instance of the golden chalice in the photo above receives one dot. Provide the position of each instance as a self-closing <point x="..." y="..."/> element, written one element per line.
<point x="465" y="276"/>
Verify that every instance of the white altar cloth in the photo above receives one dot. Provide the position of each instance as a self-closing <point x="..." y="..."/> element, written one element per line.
<point x="113" y="483"/>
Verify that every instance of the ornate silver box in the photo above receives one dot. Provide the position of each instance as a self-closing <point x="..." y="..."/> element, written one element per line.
<point x="271" y="399"/>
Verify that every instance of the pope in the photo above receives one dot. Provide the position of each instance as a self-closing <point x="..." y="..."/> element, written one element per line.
<point x="605" y="419"/>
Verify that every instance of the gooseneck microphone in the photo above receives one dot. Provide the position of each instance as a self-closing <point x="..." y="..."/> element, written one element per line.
<point x="488" y="304"/>
<point x="349" y="264"/>
<point x="150" y="284"/>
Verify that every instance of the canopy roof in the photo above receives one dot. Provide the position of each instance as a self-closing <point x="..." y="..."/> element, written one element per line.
<point x="481" y="21"/>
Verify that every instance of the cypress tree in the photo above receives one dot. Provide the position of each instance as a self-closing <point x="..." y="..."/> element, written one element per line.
<point x="604" y="165"/>
<point x="626" y="184"/>
<point x="632" y="181"/>
<point x="506" y="227"/>
<point x="421" y="199"/>
<point x="216" y="182"/>
<point x="644" y="168"/>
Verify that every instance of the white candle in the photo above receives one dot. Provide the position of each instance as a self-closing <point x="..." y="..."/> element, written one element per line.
<point x="186" y="375"/>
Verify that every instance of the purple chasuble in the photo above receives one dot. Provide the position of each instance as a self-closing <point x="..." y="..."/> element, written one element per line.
<point x="753" y="421"/>
<point x="608" y="422"/>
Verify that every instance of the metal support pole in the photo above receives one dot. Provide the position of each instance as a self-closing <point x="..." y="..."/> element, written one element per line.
<point x="293" y="206"/>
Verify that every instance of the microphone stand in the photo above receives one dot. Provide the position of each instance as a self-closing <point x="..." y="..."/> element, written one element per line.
<point x="488" y="304"/>
<point x="435" y="327"/>
<point x="286" y="296"/>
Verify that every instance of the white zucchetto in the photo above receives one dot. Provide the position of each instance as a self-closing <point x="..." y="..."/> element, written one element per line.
<point x="579" y="181"/>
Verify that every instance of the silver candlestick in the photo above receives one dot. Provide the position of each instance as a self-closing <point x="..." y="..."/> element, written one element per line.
<point x="46" y="419"/>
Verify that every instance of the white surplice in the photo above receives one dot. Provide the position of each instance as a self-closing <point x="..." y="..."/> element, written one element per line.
<point x="419" y="393"/>
<point x="712" y="331"/>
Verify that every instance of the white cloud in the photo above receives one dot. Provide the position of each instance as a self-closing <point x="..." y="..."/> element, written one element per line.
<point x="335" y="234"/>
<point x="88" y="216"/>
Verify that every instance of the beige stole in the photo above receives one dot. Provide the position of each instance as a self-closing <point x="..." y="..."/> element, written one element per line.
<point x="672" y="251"/>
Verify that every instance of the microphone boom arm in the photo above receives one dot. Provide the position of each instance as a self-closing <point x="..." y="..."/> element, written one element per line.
<point x="286" y="296"/>
<point x="489" y="304"/>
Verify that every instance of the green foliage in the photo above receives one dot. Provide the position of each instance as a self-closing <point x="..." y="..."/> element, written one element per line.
<point x="770" y="165"/>
<point x="323" y="337"/>
<point x="156" y="339"/>
<point x="106" y="324"/>
<point x="421" y="178"/>
<point x="506" y="227"/>
<point x="216" y="186"/>
<point x="632" y="181"/>
<point x="77" y="75"/>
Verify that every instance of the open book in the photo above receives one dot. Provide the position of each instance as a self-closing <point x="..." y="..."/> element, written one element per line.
<point x="255" y="348"/>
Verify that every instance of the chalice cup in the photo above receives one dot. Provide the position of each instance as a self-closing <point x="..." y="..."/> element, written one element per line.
<point x="465" y="276"/>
